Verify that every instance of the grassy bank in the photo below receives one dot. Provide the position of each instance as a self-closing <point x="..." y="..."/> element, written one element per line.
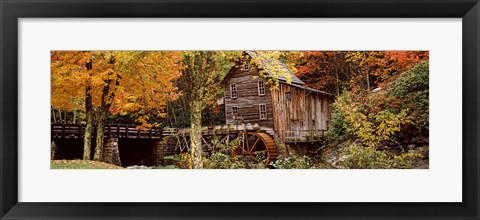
<point x="81" y="164"/>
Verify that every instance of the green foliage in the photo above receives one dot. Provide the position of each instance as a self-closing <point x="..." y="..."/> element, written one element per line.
<point x="360" y="157"/>
<point x="226" y="145"/>
<point x="292" y="162"/>
<point x="412" y="89"/>
<point x="183" y="160"/>
<point x="386" y="116"/>
<point x="222" y="161"/>
<point x="337" y="131"/>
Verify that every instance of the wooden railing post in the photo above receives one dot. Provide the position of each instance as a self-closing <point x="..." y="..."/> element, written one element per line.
<point x="63" y="130"/>
<point x="126" y="131"/>
<point x="109" y="131"/>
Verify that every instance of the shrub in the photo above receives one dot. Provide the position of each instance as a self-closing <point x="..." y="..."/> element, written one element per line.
<point x="370" y="127"/>
<point x="412" y="89"/>
<point x="183" y="160"/>
<point x="222" y="161"/>
<point x="292" y="162"/>
<point x="359" y="157"/>
<point x="337" y="130"/>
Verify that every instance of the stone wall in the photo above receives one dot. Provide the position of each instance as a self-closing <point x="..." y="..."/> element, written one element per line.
<point x="111" y="153"/>
<point x="121" y="152"/>
<point x="163" y="148"/>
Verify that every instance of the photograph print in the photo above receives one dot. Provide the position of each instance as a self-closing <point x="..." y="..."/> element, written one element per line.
<point x="239" y="110"/>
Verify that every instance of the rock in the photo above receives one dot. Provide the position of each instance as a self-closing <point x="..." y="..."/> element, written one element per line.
<point x="411" y="146"/>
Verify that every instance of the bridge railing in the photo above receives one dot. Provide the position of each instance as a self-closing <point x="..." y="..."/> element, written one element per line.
<point x="293" y="136"/>
<point x="60" y="131"/>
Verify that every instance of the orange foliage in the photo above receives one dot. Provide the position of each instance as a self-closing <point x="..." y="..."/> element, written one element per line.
<point x="139" y="82"/>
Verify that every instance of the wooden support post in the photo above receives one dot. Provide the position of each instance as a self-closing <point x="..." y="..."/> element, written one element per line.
<point x="79" y="131"/>
<point x="118" y="131"/>
<point x="63" y="130"/>
<point x="109" y="131"/>
<point x="138" y="133"/>
<point x="126" y="131"/>
<point x="150" y="133"/>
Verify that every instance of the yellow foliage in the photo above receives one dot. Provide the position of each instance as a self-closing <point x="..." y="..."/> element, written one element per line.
<point x="137" y="81"/>
<point x="370" y="127"/>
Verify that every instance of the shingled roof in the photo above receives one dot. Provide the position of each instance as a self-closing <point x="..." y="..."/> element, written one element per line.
<point x="268" y="64"/>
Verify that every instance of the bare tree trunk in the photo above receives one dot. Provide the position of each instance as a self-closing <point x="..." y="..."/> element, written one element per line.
<point x="337" y="80"/>
<point x="367" y="72"/>
<point x="74" y="121"/>
<point x="87" y="141"/>
<point x="170" y="118"/>
<point x="368" y="81"/>
<point x="196" y="133"/>
<point x="54" y="116"/>
<point x="101" y="125"/>
<point x="60" y="115"/>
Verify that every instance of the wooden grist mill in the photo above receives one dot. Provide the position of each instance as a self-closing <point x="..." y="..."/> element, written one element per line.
<point x="292" y="116"/>
<point x="248" y="142"/>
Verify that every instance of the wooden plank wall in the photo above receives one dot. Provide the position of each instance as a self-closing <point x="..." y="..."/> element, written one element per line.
<point x="247" y="100"/>
<point x="305" y="110"/>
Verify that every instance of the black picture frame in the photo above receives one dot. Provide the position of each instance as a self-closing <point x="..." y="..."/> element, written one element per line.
<point x="11" y="10"/>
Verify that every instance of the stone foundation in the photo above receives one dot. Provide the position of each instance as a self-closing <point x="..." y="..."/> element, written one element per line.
<point x="110" y="152"/>
<point x="163" y="148"/>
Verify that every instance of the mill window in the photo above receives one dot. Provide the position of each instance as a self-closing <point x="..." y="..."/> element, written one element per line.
<point x="233" y="90"/>
<point x="245" y="66"/>
<point x="261" y="88"/>
<point x="288" y="96"/>
<point x="234" y="110"/>
<point x="263" y="111"/>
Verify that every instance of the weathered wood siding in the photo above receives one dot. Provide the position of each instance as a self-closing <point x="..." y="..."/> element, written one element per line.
<point x="305" y="110"/>
<point x="248" y="100"/>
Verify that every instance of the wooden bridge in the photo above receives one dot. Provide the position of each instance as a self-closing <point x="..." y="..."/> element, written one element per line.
<point x="77" y="131"/>
<point x="249" y="140"/>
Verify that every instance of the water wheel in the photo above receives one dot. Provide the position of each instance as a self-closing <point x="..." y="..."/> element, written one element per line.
<point x="256" y="147"/>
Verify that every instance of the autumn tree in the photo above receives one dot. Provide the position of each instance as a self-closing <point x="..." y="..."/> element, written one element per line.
<point x="204" y="72"/>
<point x="110" y="81"/>
<point x="325" y="70"/>
<point x="70" y="82"/>
<point x="401" y="61"/>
